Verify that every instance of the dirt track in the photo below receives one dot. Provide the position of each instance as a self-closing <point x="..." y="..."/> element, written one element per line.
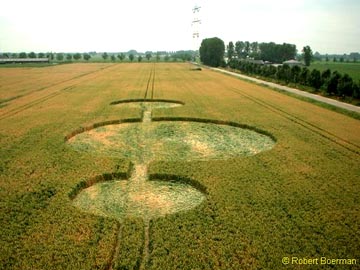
<point x="295" y="91"/>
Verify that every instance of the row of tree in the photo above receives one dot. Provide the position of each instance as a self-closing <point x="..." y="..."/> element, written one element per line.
<point x="343" y="58"/>
<point x="180" y="55"/>
<point x="131" y="56"/>
<point x="332" y="83"/>
<point x="272" y="52"/>
<point x="212" y="51"/>
<point x="50" y="55"/>
<point x="69" y="57"/>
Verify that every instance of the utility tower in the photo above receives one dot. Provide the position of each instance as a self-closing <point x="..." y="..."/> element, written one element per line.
<point x="196" y="27"/>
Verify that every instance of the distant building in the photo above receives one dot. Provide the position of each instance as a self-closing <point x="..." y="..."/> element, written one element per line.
<point x="258" y="62"/>
<point x="23" y="60"/>
<point x="292" y="63"/>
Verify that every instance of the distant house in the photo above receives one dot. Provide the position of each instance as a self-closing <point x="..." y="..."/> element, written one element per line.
<point x="23" y="60"/>
<point x="258" y="62"/>
<point x="292" y="63"/>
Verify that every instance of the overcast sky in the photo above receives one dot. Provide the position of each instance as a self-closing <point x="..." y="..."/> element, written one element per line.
<point x="328" y="26"/>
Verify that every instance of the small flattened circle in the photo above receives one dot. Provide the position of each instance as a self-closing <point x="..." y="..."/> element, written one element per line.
<point x="147" y="200"/>
<point x="148" y="103"/>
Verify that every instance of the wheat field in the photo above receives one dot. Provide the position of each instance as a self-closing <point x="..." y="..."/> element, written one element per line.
<point x="298" y="198"/>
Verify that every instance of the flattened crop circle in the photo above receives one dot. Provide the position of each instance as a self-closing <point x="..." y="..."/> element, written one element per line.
<point x="151" y="103"/>
<point x="173" y="140"/>
<point x="147" y="200"/>
<point x="169" y="139"/>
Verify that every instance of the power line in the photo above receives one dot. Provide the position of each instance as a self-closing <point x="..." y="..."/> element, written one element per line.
<point x="196" y="26"/>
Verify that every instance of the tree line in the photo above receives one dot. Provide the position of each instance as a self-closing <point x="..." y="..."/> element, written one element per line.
<point x="130" y="56"/>
<point x="212" y="51"/>
<point x="353" y="57"/>
<point x="243" y="55"/>
<point x="331" y="82"/>
<point x="49" y="55"/>
<point x="271" y="52"/>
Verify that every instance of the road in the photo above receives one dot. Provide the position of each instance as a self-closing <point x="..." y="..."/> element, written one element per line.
<point x="326" y="100"/>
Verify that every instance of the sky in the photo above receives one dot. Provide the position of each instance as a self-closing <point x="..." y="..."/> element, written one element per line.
<point x="327" y="26"/>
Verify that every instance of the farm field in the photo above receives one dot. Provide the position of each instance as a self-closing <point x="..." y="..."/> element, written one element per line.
<point x="22" y="82"/>
<point x="207" y="171"/>
<point x="353" y="69"/>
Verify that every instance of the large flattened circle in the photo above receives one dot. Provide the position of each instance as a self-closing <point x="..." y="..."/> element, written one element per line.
<point x="172" y="140"/>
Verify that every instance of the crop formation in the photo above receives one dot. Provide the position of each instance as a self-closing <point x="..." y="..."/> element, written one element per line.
<point x="155" y="166"/>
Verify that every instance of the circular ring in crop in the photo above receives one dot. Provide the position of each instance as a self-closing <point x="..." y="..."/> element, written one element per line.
<point x="172" y="139"/>
<point x="153" y="103"/>
<point x="158" y="197"/>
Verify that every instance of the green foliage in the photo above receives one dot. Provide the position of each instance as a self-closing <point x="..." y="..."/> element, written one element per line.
<point x="183" y="55"/>
<point x="326" y="81"/>
<point x="315" y="79"/>
<point x="332" y="87"/>
<point x="131" y="57"/>
<point x="22" y="55"/>
<point x="295" y="74"/>
<point x="255" y="50"/>
<point x="148" y="56"/>
<point x="212" y="51"/>
<point x="105" y="55"/>
<point x="345" y="86"/>
<point x="77" y="56"/>
<point x="325" y="75"/>
<point x="121" y="56"/>
<point x="32" y="55"/>
<point x="276" y="53"/>
<point x="356" y="89"/>
<point x="239" y="47"/>
<point x="353" y="69"/>
<point x="247" y="48"/>
<point x="230" y="50"/>
<point x="59" y="56"/>
<point x="50" y="56"/>
<point x="284" y="73"/>
<point x="307" y="55"/>
<point x="86" y="56"/>
<point x="304" y="76"/>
